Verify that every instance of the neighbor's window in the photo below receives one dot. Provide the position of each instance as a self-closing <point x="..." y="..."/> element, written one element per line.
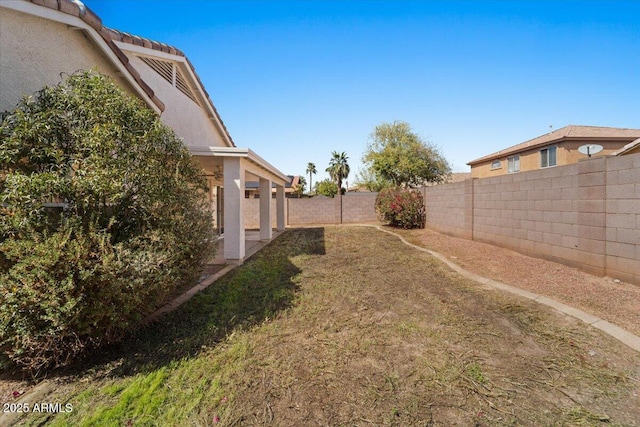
<point x="548" y="157"/>
<point x="496" y="164"/>
<point x="514" y="164"/>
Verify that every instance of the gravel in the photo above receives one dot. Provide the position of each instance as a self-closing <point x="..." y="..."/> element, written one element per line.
<point x="608" y="298"/>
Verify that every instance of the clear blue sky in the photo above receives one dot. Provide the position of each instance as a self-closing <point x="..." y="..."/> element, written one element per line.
<point x="295" y="80"/>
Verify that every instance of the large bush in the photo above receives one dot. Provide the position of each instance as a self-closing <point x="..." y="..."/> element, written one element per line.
<point x="326" y="188"/>
<point x="401" y="207"/>
<point x="101" y="217"/>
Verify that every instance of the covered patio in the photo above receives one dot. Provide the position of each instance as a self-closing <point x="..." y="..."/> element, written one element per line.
<point x="227" y="170"/>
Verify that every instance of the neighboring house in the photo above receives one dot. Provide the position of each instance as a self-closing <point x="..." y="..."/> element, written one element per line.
<point x="43" y="40"/>
<point x="252" y="190"/>
<point x="556" y="148"/>
<point x="631" y="148"/>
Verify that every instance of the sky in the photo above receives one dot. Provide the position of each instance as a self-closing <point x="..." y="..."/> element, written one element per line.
<point x="296" y="80"/>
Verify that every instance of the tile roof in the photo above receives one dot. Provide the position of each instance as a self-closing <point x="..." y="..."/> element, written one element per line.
<point x="79" y="9"/>
<point x="627" y="148"/>
<point x="566" y="133"/>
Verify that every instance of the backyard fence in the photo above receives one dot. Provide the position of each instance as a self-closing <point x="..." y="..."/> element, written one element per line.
<point x="348" y="209"/>
<point x="586" y="215"/>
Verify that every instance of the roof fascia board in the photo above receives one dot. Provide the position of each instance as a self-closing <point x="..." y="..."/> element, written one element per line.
<point x="213" y="116"/>
<point x="77" y="23"/>
<point x="147" y="51"/>
<point x="263" y="163"/>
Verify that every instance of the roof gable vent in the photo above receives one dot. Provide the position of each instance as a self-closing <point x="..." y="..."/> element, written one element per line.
<point x="171" y="73"/>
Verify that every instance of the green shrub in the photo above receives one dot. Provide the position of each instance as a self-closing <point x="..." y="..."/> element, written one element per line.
<point x="401" y="207"/>
<point x="327" y="188"/>
<point x="102" y="216"/>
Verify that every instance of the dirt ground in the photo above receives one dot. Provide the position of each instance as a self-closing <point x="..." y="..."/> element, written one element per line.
<point x="610" y="299"/>
<point x="383" y="335"/>
<point x="379" y="334"/>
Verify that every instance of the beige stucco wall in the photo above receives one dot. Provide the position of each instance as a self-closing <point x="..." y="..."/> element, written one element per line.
<point x="188" y="119"/>
<point x="35" y="51"/>
<point x="567" y="153"/>
<point x="635" y="150"/>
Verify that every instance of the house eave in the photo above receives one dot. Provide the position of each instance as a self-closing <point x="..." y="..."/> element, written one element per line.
<point x="241" y="153"/>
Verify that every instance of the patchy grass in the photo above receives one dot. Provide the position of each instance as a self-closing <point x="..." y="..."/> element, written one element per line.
<point x="347" y="326"/>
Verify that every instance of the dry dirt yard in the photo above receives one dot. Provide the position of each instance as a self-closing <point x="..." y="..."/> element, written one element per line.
<point x="368" y="332"/>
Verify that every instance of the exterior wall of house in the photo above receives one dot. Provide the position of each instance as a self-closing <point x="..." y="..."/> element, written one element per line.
<point x="633" y="151"/>
<point x="187" y="118"/>
<point x="586" y="215"/>
<point x="31" y="61"/>
<point x="567" y="153"/>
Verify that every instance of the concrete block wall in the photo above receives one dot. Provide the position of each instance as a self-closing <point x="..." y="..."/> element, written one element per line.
<point x="316" y="210"/>
<point x="358" y="207"/>
<point x="351" y="208"/>
<point x="448" y="208"/>
<point x="556" y="213"/>
<point x="252" y="213"/>
<point x="623" y="218"/>
<point x="586" y="215"/>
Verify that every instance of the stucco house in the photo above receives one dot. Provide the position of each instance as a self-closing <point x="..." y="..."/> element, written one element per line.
<point x="556" y="148"/>
<point x="42" y="40"/>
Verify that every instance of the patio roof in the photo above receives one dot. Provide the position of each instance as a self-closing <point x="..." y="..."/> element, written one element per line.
<point x="217" y="154"/>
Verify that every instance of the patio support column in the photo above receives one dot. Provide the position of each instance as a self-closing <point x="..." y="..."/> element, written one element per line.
<point x="280" y="207"/>
<point x="265" y="210"/>
<point x="234" y="178"/>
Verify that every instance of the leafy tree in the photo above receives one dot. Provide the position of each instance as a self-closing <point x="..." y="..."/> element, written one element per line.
<point x="338" y="168"/>
<point x="399" y="155"/>
<point x="311" y="170"/>
<point x="299" y="188"/>
<point x="326" y="187"/>
<point x="102" y="216"/>
<point x="367" y="179"/>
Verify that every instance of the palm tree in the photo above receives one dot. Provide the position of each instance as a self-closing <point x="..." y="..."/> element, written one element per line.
<point x="311" y="170"/>
<point x="338" y="168"/>
<point x="299" y="188"/>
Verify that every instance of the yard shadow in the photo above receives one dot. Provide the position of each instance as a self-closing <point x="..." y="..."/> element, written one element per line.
<point x="258" y="290"/>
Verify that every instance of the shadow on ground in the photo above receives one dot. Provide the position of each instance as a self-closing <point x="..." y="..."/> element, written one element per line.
<point x="265" y="285"/>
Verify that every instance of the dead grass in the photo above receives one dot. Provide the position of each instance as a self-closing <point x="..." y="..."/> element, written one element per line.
<point x="346" y="326"/>
<point x="615" y="301"/>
